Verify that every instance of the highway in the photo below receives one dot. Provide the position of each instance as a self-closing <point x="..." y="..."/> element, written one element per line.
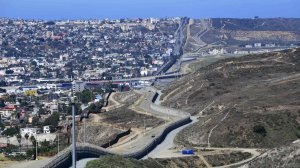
<point x="144" y="78"/>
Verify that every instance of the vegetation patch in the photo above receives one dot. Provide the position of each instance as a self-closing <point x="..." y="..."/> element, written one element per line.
<point x="228" y="158"/>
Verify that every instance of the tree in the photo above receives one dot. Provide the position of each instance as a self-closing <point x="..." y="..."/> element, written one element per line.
<point x="260" y="129"/>
<point x="33" y="140"/>
<point x="2" y="83"/>
<point x="52" y="121"/>
<point x="2" y="103"/>
<point x="11" y="131"/>
<point x="33" y="63"/>
<point x="35" y="121"/>
<point x="45" y="143"/>
<point x="95" y="107"/>
<point x="85" y="96"/>
<point x="24" y="103"/>
<point x="2" y="90"/>
<point x="9" y="71"/>
<point x="26" y="137"/>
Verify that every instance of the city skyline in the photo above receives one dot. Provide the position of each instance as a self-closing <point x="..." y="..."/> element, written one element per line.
<point x="79" y="9"/>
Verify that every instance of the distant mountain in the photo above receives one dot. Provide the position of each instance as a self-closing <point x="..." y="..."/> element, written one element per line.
<point x="251" y="101"/>
<point x="233" y="32"/>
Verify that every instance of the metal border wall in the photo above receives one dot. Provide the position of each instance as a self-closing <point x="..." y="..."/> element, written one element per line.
<point x="63" y="159"/>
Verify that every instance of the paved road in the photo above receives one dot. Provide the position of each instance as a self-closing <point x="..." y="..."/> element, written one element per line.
<point x="162" y="112"/>
<point x="29" y="164"/>
<point x="82" y="163"/>
<point x="253" y="151"/>
<point x="146" y="78"/>
<point x="164" y="150"/>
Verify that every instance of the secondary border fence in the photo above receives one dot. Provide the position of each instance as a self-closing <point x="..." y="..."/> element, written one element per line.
<point x="64" y="158"/>
<point x="114" y="141"/>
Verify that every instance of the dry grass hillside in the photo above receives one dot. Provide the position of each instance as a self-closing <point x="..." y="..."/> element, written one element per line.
<point x="252" y="101"/>
<point x="285" y="156"/>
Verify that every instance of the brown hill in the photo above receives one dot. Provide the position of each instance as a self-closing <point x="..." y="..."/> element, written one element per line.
<point x="252" y="101"/>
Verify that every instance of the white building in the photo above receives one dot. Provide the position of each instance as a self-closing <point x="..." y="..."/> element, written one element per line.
<point x="46" y="129"/>
<point x="216" y="51"/>
<point x="64" y="57"/>
<point x="143" y="71"/>
<point x="29" y="131"/>
<point x="270" y="45"/>
<point x="7" y="111"/>
<point x="248" y="46"/>
<point x="78" y="86"/>
<point x="257" y="45"/>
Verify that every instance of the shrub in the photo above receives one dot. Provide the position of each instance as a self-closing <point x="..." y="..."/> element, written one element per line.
<point x="260" y="129"/>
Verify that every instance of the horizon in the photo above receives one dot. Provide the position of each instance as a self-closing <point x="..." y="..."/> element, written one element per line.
<point x="132" y="9"/>
<point x="101" y="19"/>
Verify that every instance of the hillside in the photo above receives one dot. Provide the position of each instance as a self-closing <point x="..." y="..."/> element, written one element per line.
<point x="118" y="161"/>
<point x="285" y="156"/>
<point x="252" y="101"/>
<point x="228" y="32"/>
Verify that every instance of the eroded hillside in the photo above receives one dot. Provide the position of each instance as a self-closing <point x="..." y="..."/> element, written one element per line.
<point x="252" y="101"/>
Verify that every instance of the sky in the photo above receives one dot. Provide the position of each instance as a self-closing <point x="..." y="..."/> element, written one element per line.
<point x="114" y="9"/>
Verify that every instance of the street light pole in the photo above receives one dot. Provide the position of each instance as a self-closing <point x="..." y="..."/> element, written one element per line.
<point x="84" y="135"/>
<point x="58" y="142"/>
<point x="36" y="146"/>
<point x="73" y="133"/>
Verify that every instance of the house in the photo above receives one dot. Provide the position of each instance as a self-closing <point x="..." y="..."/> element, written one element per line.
<point x="46" y="129"/>
<point x="7" y="111"/>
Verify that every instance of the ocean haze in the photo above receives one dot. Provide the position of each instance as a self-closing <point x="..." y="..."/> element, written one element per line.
<point x="99" y="9"/>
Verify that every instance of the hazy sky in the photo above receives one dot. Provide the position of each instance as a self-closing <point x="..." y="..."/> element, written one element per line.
<point x="85" y="9"/>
